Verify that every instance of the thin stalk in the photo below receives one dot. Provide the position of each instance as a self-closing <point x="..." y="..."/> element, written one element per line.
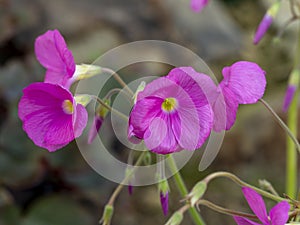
<point x="292" y="122"/>
<point x="121" y="115"/>
<point x="225" y="211"/>
<point x="241" y="183"/>
<point x="183" y="190"/>
<point x="118" y="79"/>
<point x="291" y="155"/>
<point x="282" y="124"/>
<point x="127" y="177"/>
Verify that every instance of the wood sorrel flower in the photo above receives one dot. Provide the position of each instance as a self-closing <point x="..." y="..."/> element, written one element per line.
<point x="51" y="117"/>
<point x="198" y="5"/>
<point x="244" y="83"/>
<point x="172" y="113"/>
<point x="278" y="214"/>
<point x="266" y="22"/>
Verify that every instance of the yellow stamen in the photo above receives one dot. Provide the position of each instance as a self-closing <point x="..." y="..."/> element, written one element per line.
<point x="68" y="107"/>
<point x="169" y="104"/>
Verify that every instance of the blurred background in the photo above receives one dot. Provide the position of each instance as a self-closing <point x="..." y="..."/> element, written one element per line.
<point x="39" y="188"/>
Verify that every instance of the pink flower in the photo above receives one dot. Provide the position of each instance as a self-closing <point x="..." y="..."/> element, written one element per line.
<point x="172" y="113"/>
<point x="51" y="118"/>
<point x="52" y="52"/>
<point x="244" y="83"/>
<point x="198" y="5"/>
<point x="278" y="214"/>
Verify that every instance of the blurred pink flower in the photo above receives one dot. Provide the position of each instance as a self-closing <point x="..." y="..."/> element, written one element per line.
<point x="244" y="83"/>
<point x="51" y="118"/>
<point x="172" y="113"/>
<point x="278" y="214"/>
<point x="198" y="5"/>
<point x="266" y="22"/>
<point x="52" y="52"/>
<point x="262" y="28"/>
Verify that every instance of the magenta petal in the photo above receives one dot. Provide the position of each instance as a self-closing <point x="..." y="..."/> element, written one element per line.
<point x="79" y="120"/>
<point x="227" y="99"/>
<point x="262" y="28"/>
<point x="279" y="214"/>
<point x="198" y="5"/>
<point x="195" y="115"/>
<point x="244" y="221"/>
<point x="164" y="200"/>
<point x="257" y="204"/>
<point x="159" y="136"/>
<point x="289" y="95"/>
<point x="52" y="52"/>
<point x="246" y="80"/>
<point x="142" y="114"/>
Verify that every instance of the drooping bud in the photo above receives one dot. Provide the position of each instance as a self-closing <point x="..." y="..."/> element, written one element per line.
<point x="107" y="215"/>
<point x="291" y="89"/>
<point x="266" y="22"/>
<point x="164" y="189"/>
<point x="100" y="115"/>
<point x="197" y="192"/>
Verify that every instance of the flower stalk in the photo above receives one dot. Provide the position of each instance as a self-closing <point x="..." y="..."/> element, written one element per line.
<point x="183" y="190"/>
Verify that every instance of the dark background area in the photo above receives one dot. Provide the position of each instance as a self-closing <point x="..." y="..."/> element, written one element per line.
<point x="41" y="188"/>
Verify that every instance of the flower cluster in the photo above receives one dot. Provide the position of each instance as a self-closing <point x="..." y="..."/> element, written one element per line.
<point x="51" y="117"/>
<point x="179" y="111"/>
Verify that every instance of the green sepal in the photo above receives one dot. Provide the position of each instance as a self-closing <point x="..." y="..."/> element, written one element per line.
<point x="83" y="99"/>
<point x="107" y="215"/>
<point x="175" y="219"/>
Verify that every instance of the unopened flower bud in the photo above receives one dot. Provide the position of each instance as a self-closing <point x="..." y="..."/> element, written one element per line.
<point x="291" y="89"/>
<point x="164" y="189"/>
<point x="100" y="115"/>
<point x="266" y="22"/>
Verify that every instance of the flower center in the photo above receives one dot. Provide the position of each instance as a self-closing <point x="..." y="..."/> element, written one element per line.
<point x="68" y="107"/>
<point x="169" y="104"/>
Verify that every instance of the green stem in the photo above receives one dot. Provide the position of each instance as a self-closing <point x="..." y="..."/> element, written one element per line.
<point x="292" y="122"/>
<point x="183" y="190"/>
<point x="238" y="181"/>
<point x="291" y="155"/>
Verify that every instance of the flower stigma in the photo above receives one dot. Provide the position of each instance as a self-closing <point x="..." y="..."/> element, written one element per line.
<point x="67" y="106"/>
<point x="169" y="104"/>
